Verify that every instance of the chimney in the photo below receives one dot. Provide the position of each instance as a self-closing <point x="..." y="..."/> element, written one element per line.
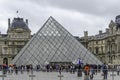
<point x="107" y="30"/>
<point x="100" y="31"/>
<point x="8" y="22"/>
<point x="85" y="33"/>
<point x="27" y="21"/>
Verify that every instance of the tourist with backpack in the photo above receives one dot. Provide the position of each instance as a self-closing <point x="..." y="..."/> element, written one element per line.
<point x="86" y="72"/>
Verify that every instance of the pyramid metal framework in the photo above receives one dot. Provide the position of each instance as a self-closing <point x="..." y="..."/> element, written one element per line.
<point x="53" y="43"/>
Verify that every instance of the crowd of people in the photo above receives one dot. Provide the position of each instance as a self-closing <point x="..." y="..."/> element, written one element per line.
<point x="88" y="70"/>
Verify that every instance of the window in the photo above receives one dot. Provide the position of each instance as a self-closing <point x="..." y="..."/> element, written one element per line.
<point x="5" y="42"/>
<point x="97" y="50"/>
<point x="5" y="50"/>
<point x="18" y="49"/>
<point x="90" y="49"/>
<point x="96" y="42"/>
<point x="13" y="50"/>
<point x="101" y="49"/>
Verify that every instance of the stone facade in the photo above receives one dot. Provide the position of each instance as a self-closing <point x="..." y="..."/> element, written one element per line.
<point x="105" y="45"/>
<point x="18" y="34"/>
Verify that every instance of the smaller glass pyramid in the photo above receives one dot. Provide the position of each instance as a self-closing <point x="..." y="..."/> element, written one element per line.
<point x="53" y="43"/>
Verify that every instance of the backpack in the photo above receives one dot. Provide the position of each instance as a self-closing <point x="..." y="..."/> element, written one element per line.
<point x="104" y="67"/>
<point x="86" y="70"/>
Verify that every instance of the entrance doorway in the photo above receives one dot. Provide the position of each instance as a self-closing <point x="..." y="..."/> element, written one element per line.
<point x="5" y="61"/>
<point x="62" y="63"/>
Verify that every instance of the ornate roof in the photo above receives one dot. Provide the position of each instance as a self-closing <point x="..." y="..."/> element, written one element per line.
<point x="19" y="23"/>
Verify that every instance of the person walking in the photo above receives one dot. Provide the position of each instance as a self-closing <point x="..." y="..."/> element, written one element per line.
<point x="105" y="71"/>
<point x="118" y="69"/>
<point x="92" y="72"/>
<point x="79" y="72"/>
<point x="87" y="72"/>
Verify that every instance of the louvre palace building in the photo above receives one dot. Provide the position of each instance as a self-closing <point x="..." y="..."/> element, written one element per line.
<point x="18" y="34"/>
<point x="105" y="45"/>
<point x="53" y="43"/>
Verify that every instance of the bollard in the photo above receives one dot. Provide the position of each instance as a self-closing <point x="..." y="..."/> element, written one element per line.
<point x="3" y="76"/>
<point x="32" y="76"/>
<point x="79" y="73"/>
<point x="60" y="75"/>
<point x="31" y="71"/>
<point x="112" y="74"/>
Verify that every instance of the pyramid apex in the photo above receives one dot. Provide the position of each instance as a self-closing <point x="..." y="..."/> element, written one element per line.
<point x="51" y="17"/>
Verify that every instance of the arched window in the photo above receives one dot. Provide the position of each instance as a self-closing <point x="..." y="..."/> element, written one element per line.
<point x="101" y="49"/>
<point x="90" y="49"/>
<point x="5" y="61"/>
<point x="97" y="50"/>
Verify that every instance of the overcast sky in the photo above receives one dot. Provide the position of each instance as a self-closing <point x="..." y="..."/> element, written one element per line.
<point x="76" y="16"/>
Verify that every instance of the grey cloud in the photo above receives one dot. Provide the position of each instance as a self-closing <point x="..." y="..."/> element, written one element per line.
<point x="93" y="7"/>
<point x="37" y="12"/>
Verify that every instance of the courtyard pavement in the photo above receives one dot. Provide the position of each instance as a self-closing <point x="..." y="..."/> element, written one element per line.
<point x="54" y="76"/>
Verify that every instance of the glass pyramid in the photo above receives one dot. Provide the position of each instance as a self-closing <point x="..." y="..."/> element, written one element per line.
<point x="53" y="43"/>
